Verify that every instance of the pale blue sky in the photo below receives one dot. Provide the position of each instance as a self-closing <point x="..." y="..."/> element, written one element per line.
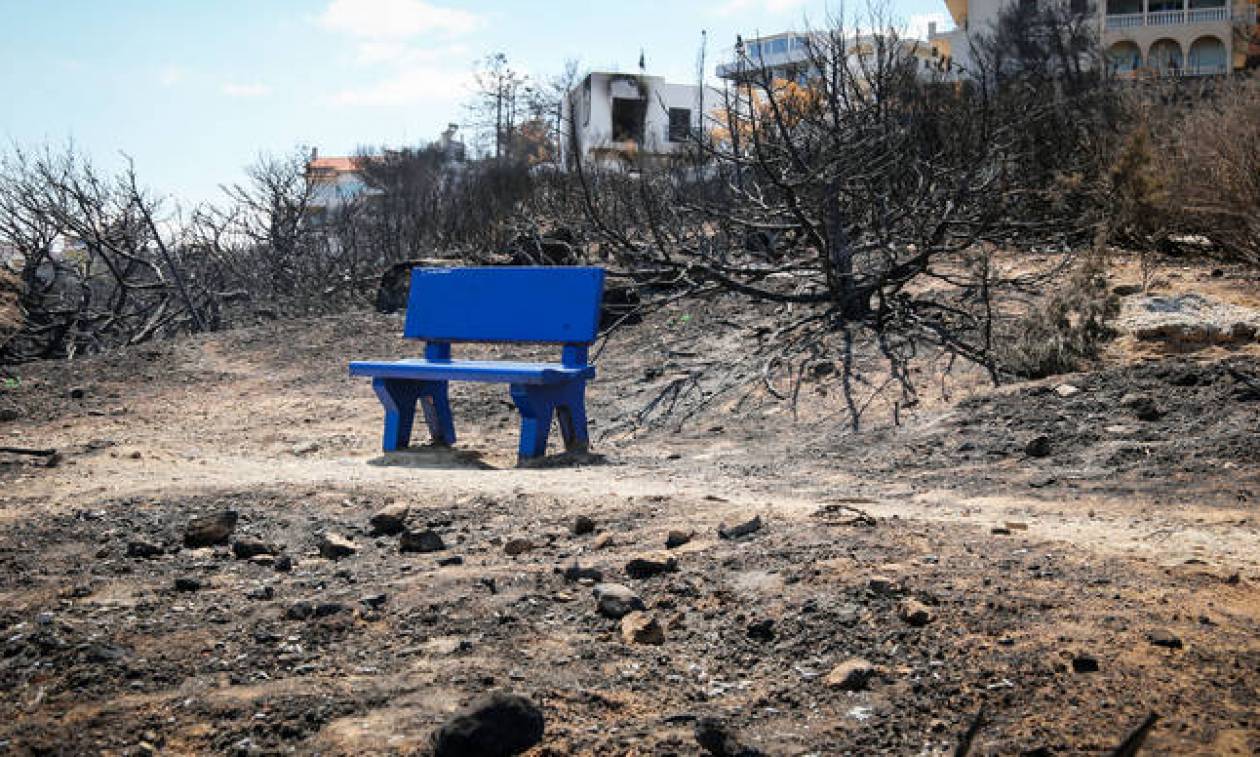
<point x="195" y="90"/>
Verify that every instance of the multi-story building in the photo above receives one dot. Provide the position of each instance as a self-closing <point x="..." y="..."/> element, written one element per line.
<point x="1139" y="37"/>
<point x="793" y="56"/>
<point x="613" y="119"/>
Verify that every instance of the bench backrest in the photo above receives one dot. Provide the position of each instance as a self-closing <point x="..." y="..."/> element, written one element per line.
<point x="540" y="304"/>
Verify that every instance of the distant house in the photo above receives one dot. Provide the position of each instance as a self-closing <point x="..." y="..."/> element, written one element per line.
<point x="1157" y="38"/>
<point x="336" y="180"/>
<point x="795" y="56"/>
<point x="333" y="182"/>
<point x="613" y="119"/>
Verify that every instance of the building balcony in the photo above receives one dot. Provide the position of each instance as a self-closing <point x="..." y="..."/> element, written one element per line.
<point x="772" y="61"/>
<point x="1245" y="14"/>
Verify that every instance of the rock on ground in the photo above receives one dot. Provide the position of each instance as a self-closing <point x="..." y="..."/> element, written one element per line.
<point x="718" y="739"/>
<point x="497" y="725"/>
<point x="1188" y="319"/>
<point x="850" y="675"/>
<point x="915" y="613"/>
<point x="390" y="520"/>
<point x="334" y="546"/>
<point x="210" y="530"/>
<point x="427" y="540"/>
<point x="246" y="548"/>
<point x="641" y="628"/>
<point x="616" y="600"/>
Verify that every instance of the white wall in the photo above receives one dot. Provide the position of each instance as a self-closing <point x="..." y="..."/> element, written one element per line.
<point x="589" y="108"/>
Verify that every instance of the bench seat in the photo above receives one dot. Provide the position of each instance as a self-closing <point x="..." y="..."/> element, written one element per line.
<point x="497" y="371"/>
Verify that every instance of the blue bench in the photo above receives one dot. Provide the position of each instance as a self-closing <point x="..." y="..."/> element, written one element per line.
<point x="550" y="305"/>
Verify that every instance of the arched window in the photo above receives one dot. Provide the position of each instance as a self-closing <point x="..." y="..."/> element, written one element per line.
<point x="1207" y="57"/>
<point x="1124" y="57"/>
<point x="1165" y="56"/>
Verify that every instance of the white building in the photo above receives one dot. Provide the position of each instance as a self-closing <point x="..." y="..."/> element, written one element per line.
<point x="613" y="119"/>
<point x="1139" y="37"/>
<point x="793" y="56"/>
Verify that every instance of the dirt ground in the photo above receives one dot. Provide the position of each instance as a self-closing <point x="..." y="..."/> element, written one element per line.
<point x="1084" y="550"/>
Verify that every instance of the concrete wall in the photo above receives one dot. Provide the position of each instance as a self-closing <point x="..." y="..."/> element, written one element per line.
<point x="588" y="110"/>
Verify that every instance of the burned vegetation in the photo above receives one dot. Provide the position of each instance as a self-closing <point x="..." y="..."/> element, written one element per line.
<point x="880" y="466"/>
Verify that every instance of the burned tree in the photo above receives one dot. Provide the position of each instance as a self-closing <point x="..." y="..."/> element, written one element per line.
<point x="870" y="193"/>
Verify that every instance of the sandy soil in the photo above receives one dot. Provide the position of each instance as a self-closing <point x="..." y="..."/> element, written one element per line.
<point x="1127" y="527"/>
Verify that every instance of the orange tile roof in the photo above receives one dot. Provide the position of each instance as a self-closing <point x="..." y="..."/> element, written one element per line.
<point x="336" y="163"/>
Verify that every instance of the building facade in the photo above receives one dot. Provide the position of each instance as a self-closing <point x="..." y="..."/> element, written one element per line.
<point x="1139" y="37"/>
<point x="612" y="120"/>
<point x="791" y="56"/>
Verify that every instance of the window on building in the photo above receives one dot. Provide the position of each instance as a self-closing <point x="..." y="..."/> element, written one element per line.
<point x="627" y="119"/>
<point x="775" y="47"/>
<point x="679" y="124"/>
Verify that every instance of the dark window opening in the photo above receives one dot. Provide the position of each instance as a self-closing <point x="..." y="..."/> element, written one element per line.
<point x="1080" y="7"/>
<point x="627" y="119"/>
<point x="679" y="124"/>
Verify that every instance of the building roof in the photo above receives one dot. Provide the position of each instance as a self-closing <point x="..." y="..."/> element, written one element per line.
<point x="340" y="164"/>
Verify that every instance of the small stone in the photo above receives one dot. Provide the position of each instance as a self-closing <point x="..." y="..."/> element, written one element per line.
<point x="306" y="448"/>
<point x="641" y="628"/>
<point x="210" y="530"/>
<point x="516" y="547"/>
<point x="718" y="739"/>
<point x="264" y="560"/>
<point x="390" y="520"/>
<point x="915" y="613"/>
<point x="300" y="610"/>
<point x="675" y="538"/>
<point x="496" y="725"/>
<point x="1066" y="390"/>
<point x="325" y="609"/>
<point x="1084" y="663"/>
<point x="187" y="583"/>
<point x="761" y="629"/>
<point x="740" y="529"/>
<point x="283" y="563"/>
<point x="250" y="547"/>
<point x="850" y="675"/>
<point x="644" y="567"/>
<point x="604" y="541"/>
<point x="335" y="547"/>
<point x="264" y="593"/>
<point x="1038" y="446"/>
<point x="77" y="393"/>
<point x="583" y="525"/>
<point x="616" y="600"/>
<point x="143" y="548"/>
<point x="882" y="585"/>
<point x="374" y="601"/>
<point x="1164" y="638"/>
<point x="1016" y="525"/>
<point x="427" y="540"/>
<point x="446" y="562"/>
<point x="576" y="572"/>
<point x="1000" y="531"/>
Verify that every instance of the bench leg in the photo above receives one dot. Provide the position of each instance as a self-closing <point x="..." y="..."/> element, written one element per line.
<point x="436" y="403"/>
<point x="536" y="410"/>
<point x="571" y="412"/>
<point x="538" y="404"/>
<point x="399" y="399"/>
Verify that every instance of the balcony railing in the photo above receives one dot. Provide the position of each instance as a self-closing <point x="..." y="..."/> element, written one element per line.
<point x="1204" y="15"/>
<point x="1166" y="18"/>
<point x="1242" y="14"/>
